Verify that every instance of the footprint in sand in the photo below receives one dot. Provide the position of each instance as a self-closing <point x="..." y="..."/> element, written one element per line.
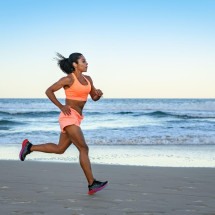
<point x="4" y="187"/>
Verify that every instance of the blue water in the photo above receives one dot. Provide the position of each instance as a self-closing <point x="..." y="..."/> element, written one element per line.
<point x="121" y="123"/>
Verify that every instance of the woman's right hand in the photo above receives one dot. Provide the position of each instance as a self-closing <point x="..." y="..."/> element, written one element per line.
<point x="66" y="109"/>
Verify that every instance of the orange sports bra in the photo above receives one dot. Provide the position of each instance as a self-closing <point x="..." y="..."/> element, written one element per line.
<point x="78" y="91"/>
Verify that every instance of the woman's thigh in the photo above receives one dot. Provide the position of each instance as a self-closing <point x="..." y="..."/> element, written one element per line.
<point x="76" y="136"/>
<point x="64" y="141"/>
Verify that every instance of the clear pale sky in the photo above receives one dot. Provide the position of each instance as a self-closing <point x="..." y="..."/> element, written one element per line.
<point x="135" y="48"/>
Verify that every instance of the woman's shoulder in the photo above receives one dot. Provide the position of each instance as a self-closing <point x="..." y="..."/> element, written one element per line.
<point x="67" y="80"/>
<point x="88" y="78"/>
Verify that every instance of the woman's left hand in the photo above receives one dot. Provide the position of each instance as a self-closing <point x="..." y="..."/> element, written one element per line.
<point x="99" y="93"/>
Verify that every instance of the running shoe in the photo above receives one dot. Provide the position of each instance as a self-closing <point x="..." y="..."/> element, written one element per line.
<point x="26" y="145"/>
<point x="96" y="186"/>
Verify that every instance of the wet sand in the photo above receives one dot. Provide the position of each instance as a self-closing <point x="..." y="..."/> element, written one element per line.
<point x="37" y="188"/>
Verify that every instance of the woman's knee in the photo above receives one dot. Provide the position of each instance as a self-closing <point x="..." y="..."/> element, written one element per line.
<point x="60" y="150"/>
<point x="84" y="149"/>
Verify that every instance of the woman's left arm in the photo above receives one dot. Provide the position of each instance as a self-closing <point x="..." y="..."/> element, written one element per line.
<point x="95" y="94"/>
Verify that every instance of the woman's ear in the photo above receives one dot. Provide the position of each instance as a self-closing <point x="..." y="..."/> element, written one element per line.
<point x="74" y="65"/>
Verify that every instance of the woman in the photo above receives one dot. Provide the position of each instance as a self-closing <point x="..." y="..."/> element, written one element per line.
<point x="77" y="87"/>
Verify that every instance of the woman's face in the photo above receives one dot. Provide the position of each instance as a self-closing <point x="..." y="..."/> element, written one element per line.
<point x="82" y="64"/>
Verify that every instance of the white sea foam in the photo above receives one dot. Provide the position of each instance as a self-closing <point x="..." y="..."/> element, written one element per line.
<point x="139" y="155"/>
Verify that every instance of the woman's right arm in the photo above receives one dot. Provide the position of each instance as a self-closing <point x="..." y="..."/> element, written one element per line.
<point x="55" y="87"/>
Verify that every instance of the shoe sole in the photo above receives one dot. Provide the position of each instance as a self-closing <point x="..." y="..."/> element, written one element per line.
<point x="91" y="192"/>
<point x="24" y="143"/>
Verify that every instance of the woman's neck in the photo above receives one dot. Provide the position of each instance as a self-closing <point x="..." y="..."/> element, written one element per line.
<point x="77" y="73"/>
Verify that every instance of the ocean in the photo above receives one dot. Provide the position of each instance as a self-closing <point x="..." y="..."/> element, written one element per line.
<point x="144" y="132"/>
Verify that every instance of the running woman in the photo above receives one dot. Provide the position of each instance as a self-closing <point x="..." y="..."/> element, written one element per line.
<point x="77" y="88"/>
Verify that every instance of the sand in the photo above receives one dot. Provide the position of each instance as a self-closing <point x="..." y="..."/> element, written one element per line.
<point x="60" y="188"/>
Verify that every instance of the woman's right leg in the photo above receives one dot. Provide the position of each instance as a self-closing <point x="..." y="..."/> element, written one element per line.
<point x="76" y="136"/>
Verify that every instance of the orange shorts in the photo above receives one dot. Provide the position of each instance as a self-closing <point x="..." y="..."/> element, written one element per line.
<point x="73" y="119"/>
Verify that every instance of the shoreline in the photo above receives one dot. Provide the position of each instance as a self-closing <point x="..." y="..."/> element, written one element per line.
<point x="60" y="188"/>
<point x="39" y="162"/>
<point x="108" y="165"/>
<point x="125" y="155"/>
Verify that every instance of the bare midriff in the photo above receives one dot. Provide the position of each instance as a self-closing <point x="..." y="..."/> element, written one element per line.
<point x="76" y="105"/>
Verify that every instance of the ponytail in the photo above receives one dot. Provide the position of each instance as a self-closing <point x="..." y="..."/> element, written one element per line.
<point x="66" y="64"/>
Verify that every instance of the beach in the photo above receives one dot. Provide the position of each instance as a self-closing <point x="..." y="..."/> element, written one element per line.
<point x="60" y="188"/>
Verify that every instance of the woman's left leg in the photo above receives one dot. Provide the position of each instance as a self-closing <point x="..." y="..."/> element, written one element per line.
<point x="60" y="148"/>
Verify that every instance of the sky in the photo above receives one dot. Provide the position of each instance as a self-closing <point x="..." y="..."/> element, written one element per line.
<point x="134" y="48"/>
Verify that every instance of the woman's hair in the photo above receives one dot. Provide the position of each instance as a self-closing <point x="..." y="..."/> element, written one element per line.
<point x="66" y="64"/>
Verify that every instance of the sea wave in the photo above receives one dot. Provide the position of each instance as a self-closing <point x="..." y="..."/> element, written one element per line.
<point x="154" y="114"/>
<point x="162" y="114"/>
<point x="30" y="113"/>
<point x="5" y="124"/>
<point x="182" y="116"/>
<point x="10" y="122"/>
